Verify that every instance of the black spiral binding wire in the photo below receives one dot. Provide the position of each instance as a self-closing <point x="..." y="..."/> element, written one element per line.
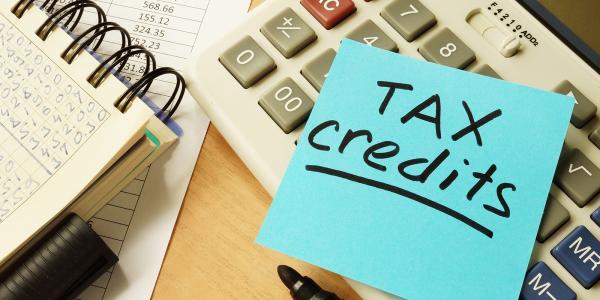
<point x="21" y="7"/>
<point x="118" y="60"/>
<point x="92" y="38"/>
<point x="97" y="31"/>
<point x="72" y="10"/>
<point x="24" y="5"/>
<point x="142" y="85"/>
<point x="50" y="4"/>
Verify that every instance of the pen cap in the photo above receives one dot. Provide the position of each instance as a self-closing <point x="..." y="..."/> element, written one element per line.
<point x="310" y="290"/>
<point x="60" y="266"/>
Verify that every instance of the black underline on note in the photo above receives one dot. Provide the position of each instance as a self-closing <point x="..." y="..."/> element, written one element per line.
<point x="402" y="192"/>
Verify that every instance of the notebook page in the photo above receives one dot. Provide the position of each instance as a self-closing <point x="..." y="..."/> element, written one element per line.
<point x="140" y="219"/>
<point x="56" y="132"/>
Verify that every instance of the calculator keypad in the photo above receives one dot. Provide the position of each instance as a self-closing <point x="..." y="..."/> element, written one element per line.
<point x="409" y="17"/>
<point x="287" y="104"/>
<point x="552" y="287"/>
<point x="487" y="71"/>
<point x="288" y="33"/>
<point x="329" y="12"/>
<point x="584" y="109"/>
<point x="247" y="62"/>
<point x="369" y="33"/>
<point x="447" y="49"/>
<point x="555" y="216"/>
<point x="316" y="70"/>
<point x="578" y="177"/>
<point x="579" y="253"/>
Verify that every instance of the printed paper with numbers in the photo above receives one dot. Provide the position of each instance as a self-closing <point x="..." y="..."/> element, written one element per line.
<point x="418" y="179"/>
<point x="57" y="133"/>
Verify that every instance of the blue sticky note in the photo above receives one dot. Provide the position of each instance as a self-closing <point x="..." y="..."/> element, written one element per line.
<point x="421" y="180"/>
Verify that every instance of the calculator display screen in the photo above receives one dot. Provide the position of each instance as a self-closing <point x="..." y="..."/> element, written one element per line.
<point x="575" y="22"/>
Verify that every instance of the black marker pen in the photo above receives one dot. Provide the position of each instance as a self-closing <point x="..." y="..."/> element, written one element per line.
<point x="303" y="288"/>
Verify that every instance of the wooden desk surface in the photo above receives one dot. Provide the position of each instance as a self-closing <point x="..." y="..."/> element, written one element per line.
<point x="212" y="254"/>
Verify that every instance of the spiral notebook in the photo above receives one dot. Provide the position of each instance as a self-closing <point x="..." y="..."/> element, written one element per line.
<point x="72" y="134"/>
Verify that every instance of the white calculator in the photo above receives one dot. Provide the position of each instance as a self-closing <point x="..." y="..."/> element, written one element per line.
<point x="258" y="84"/>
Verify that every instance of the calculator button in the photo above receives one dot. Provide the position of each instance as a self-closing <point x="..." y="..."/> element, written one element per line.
<point x="595" y="137"/>
<point x="287" y="105"/>
<point x="288" y="33"/>
<point x="596" y="216"/>
<point x="447" y="49"/>
<point x="247" y="62"/>
<point x="487" y="71"/>
<point x="584" y="109"/>
<point x="555" y="216"/>
<point x="409" y="17"/>
<point x="579" y="253"/>
<point x="329" y="12"/>
<point x="578" y="177"/>
<point x="372" y="35"/>
<point x="541" y="283"/>
<point x="316" y="70"/>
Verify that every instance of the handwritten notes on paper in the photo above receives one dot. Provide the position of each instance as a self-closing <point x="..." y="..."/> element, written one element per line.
<point x="45" y="117"/>
<point x="418" y="179"/>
